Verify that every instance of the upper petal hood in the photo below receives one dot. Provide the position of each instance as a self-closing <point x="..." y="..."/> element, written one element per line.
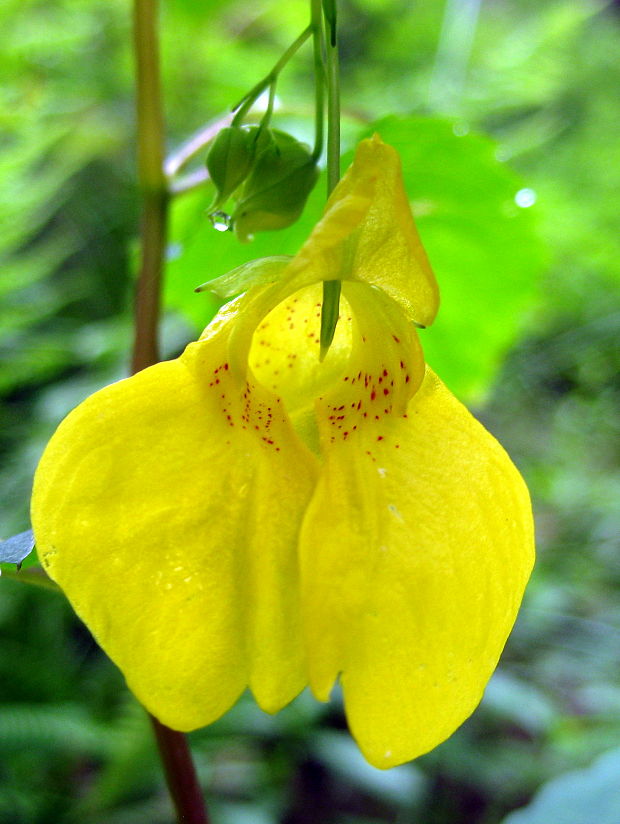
<point x="367" y="234"/>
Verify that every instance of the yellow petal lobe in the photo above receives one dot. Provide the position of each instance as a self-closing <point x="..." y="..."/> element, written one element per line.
<point x="416" y="549"/>
<point x="167" y="506"/>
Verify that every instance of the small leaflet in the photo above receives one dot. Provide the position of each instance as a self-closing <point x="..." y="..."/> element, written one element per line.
<point x="15" y="549"/>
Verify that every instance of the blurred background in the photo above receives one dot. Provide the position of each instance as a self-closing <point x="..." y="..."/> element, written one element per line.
<point x="507" y="116"/>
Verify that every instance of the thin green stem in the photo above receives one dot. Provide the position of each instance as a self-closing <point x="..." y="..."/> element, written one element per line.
<point x="173" y="747"/>
<point x="319" y="77"/>
<point x="333" y="116"/>
<point x="247" y="101"/>
<point x="331" y="288"/>
<point x="270" y="104"/>
<point x="152" y="184"/>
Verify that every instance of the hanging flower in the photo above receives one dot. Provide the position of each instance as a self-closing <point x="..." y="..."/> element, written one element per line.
<point x="247" y="516"/>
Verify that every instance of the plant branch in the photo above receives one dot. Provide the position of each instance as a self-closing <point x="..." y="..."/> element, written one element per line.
<point x="189" y="182"/>
<point x="333" y="114"/>
<point x="246" y="102"/>
<point x="180" y="774"/>
<point x="319" y="77"/>
<point x="152" y="184"/>
<point x="178" y="159"/>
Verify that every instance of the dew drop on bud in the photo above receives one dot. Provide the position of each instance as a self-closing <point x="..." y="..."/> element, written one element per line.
<point x="221" y="221"/>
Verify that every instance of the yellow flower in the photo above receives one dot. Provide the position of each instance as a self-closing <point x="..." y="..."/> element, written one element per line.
<point x="246" y="516"/>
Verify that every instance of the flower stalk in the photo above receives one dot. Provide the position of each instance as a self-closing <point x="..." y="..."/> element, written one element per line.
<point x="248" y="100"/>
<point x="331" y="288"/>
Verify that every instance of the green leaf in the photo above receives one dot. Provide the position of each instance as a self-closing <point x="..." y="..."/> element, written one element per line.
<point x="253" y="273"/>
<point x="578" y="797"/>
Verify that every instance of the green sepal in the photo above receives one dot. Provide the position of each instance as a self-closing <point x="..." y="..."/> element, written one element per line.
<point x="275" y="192"/>
<point x="230" y="159"/>
<point x="240" y="279"/>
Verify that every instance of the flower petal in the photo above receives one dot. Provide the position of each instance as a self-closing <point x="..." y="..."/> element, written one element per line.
<point x="415" y="549"/>
<point x="367" y="233"/>
<point x="167" y="506"/>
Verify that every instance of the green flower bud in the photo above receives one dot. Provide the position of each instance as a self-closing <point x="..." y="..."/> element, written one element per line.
<point x="276" y="190"/>
<point x="230" y="160"/>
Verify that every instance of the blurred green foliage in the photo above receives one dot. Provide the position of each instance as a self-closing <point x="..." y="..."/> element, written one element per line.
<point x="536" y="350"/>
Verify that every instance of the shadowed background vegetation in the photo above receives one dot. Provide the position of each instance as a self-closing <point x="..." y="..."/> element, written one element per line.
<point x="507" y="118"/>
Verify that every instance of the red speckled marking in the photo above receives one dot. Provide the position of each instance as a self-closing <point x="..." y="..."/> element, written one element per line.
<point x="248" y="410"/>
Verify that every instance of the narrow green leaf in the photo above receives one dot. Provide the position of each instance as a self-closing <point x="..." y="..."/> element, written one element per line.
<point x="241" y="278"/>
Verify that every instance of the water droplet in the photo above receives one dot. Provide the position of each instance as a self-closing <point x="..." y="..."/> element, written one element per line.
<point x="460" y="129"/>
<point x="221" y="221"/>
<point x="382" y="471"/>
<point x="525" y="198"/>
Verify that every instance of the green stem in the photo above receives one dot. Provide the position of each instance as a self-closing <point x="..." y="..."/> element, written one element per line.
<point x="152" y="184"/>
<point x="331" y="288"/>
<point x="333" y="116"/>
<point x="173" y="747"/>
<point x="270" y="104"/>
<point x="247" y="101"/>
<point x="319" y="77"/>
